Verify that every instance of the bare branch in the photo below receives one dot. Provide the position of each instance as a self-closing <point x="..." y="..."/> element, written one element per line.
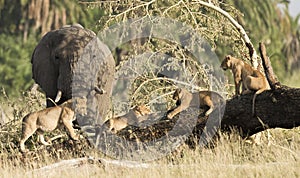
<point x="252" y="52"/>
<point x="272" y="79"/>
<point x="51" y="169"/>
<point x="166" y="79"/>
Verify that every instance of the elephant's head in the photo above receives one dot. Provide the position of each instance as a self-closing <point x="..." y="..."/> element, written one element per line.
<point x="54" y="58"/>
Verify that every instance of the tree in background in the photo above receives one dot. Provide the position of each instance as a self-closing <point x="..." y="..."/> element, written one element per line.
<point x="291" y="43"/>
<point x="263" y="20"/>
<point x="38" y="17"/>
<point x="269" y="21"/>
<point x="22" y="24"/>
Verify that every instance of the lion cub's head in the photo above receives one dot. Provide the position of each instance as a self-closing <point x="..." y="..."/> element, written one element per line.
<point x="226" y="64"/>
<point x="179" y="92"/>
<point x="141" y="110"/>
<point x="118" y="123"/>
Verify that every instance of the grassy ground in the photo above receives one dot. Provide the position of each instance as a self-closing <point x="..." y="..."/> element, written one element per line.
<point x="231" y="157"/>
<point x="277" y="156"/>
<point x="293" y="80"/>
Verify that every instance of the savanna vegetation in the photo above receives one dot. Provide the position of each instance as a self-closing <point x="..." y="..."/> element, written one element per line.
<point x="23" y="22"/>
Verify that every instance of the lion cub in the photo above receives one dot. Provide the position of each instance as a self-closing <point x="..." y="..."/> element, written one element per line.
<point x="48" y="120"/>
<point x="186" y="99"/>
<point x="118" y="123"/>
<point x="251" y="79"/>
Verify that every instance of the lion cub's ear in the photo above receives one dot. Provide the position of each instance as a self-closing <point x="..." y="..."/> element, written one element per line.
<point x="142" y="110"/>
<point x="228" y="57"/>
<point x="68" y="103"/>
<point x="176" y="94"/>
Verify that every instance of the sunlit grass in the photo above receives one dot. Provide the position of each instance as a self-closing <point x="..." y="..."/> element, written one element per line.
<point x="293" y="80"/>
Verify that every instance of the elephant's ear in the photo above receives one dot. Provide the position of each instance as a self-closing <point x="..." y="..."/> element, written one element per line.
<point x="44" y="72"/>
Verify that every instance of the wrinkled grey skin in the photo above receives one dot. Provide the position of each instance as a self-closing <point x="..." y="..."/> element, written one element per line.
<point x="56" y="56"/>
<point x="95" y="68"/>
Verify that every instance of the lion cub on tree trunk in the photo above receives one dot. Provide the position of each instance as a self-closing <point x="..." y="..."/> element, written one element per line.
<point x="48" y="120"/>
<point x="251" y="79"/>
<point x="186" y="99"/>
<point x="118" y="123"/>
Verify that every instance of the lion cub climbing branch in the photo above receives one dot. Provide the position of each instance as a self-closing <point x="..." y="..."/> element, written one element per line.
<point x="48" y="120"/>
<point x="118" y="123"/>
<point x="250" y="78"/>
<point x="198" y="99"/>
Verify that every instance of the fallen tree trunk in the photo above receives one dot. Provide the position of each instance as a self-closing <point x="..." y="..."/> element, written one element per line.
<point x="279" y="108"/>
<point x="274" y="108"/>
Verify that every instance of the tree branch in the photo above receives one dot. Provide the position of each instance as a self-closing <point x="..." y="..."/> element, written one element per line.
<point x="252" y="52"/>
<point x="76" y="163"/>
<point x="272" y="79"/>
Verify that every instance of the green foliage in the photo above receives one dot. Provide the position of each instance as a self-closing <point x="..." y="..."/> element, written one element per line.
<point x="266" y="21"/>
<point x="37" y="17"/>
<point x="209" y="24"/>
<point x="23" y="22"/>
<point x="263" y="20"/>
<point x="15" y="66"/>
<point x="205" y="22"/>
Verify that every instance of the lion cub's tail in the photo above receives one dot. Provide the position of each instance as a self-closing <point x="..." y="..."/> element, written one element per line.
<point x="254" y="97"/>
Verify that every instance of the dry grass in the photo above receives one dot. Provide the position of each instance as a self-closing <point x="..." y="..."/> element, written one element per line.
<point x="293" y="80"/>
<point x="277" y="156"/>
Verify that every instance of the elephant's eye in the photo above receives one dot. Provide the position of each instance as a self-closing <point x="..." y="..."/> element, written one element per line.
<point x="56" y="59"/>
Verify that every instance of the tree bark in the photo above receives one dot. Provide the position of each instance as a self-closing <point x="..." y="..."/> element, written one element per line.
<point x="274" y="108"/>
<point x="271" y="77"/>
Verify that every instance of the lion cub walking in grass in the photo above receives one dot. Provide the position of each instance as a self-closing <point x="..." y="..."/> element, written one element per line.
<point x="48" y="120"/>
<point x="186" y="99"/>
<point x="250" y="78"/>
<point x="118" y="123"/>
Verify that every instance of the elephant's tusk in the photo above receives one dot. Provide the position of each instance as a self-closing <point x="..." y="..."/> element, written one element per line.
<point x="58" y="96"/>
<point x="100" y="91"/>
<point x="51" y="101"/>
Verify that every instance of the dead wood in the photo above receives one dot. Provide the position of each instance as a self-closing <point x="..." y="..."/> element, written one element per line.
<point x="271" y="77"/>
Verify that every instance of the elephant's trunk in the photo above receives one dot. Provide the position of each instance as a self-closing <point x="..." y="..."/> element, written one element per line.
<point x="58" y="96"/>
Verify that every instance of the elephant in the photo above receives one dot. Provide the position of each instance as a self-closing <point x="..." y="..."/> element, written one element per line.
<point x="60" y="53"/>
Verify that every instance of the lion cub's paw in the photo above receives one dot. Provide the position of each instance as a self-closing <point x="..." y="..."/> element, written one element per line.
<point x="24" y="150"/>
<point x="169" y="116"/>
